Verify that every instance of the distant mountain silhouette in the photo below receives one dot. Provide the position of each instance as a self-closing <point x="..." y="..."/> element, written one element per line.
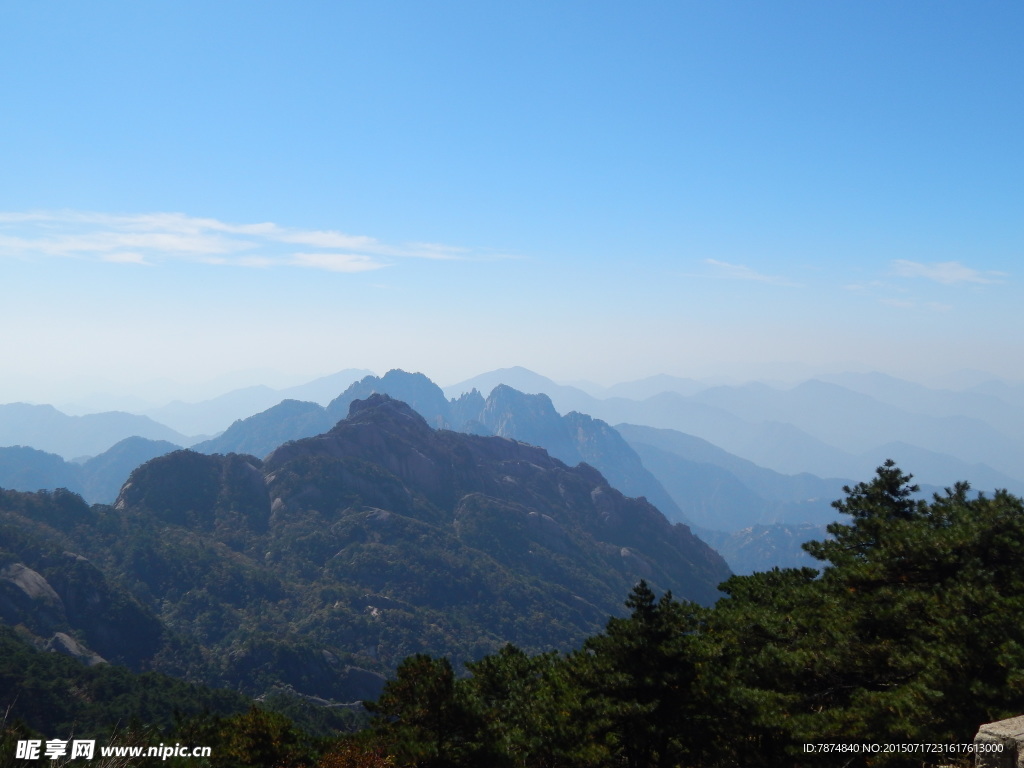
<point x="98" y="480"/>
<point x="28" y="469"/>
<point x="655" y="385"/>
<point x="723" y="492"/>
<point x="261" y="433"/>
<point x="215" y="415"/>
<point x="763" y="547"/>
<point x="993" y="403"/>
<point x="829" y="428"/>
<point x="860" y="424"/>
<point x="567" y="398"/>
<point x="937" y="468"/>
<point x="45" y="428"/>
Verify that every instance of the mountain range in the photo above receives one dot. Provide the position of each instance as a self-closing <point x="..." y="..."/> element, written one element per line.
<point x="840" y="425"/>
<point x="215" y="415"/>
<point x="723" y="459"/>
<point x="843" y="427"/>
<point x="323" y="565"/>
<point x="45" y="428"/>
<point x="505" y="412"/>
<point x="314" y="544"/>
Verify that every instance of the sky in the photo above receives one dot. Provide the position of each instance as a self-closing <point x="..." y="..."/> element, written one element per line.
<point x="265" y="192"/>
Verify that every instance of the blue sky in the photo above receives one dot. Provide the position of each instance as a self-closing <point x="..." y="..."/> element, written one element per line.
<point x="593" y="190"/>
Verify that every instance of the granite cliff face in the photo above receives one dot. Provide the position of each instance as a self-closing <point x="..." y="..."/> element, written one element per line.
<point x="50" y="592"/>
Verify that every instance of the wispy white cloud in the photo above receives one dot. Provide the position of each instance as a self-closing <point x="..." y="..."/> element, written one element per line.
<point x="945" y="272"/>
<point x="931" y="306"/>
<point x="153" y="238"/>
<point x="871" y="285"/>
<point x="727" y="271"/>
<point x="898" y="303"/>
<point x="336" y="262"/>
<point x="318" y="239"/>
<point x="126" y="257"/>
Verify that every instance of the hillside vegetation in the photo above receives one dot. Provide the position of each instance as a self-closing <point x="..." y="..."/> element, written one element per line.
<point x="908" y="635"/>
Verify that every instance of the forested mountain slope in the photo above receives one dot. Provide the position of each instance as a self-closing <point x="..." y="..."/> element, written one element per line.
<point x="323" y="566"/>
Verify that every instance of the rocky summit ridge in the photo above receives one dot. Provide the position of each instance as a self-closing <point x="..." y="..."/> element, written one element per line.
<point x="506" y="412"/>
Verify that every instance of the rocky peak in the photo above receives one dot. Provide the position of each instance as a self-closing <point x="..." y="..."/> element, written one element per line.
<point x="381" y="406"/>
<point x="530" y="419"/>
<point x="423" y="395"/>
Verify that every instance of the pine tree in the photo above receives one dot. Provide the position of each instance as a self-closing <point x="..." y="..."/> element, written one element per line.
<point x="425" y="717"/>
<point x="644" y="669"/>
